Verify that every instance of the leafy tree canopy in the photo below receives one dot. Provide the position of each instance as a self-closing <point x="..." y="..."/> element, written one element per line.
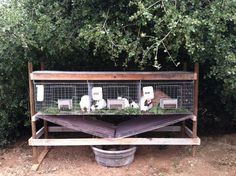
<point x="117" y="34"/>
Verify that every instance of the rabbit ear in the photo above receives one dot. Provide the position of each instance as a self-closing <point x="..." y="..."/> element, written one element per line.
<point x="128" y="98"/>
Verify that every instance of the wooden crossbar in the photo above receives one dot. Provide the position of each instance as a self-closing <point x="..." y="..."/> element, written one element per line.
<point x="62" y="75"/>
<point x="40" y="159"/>
<point x="164" y="129"/>
<point x="39" y="133"/>
<point x="112" y="141"/>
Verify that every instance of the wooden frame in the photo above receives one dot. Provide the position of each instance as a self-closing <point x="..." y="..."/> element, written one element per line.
<point x="37" y="141"/>
<point x="126" y="76"/>
<point x="114" y="141"/>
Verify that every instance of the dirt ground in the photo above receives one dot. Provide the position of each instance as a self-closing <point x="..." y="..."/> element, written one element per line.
<point x="215" y="157"/>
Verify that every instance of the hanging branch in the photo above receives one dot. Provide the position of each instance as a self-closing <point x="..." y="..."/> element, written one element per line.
<point x="171" y="58"/>
<point x="148" y="50"/>
<point x="156" y="65"/>
<point x="105" y="30"/>
<point x="152" y="5"/>
<point x="157" y="43"/>
<point x="163" y="5"/>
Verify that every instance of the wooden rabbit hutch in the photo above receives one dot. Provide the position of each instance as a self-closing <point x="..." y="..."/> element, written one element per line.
<point x="153" y="101"/>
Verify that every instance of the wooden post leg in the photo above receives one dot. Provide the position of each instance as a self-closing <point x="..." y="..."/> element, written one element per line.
<point x="183" y="123"/>
<point x="38" y="157"/>
<point x="183" y="129"/>
<point x="45" y="123"/>
<point x="194" y="136"/>
<point x="194" y="148"/>
<point x="32" y="111"/>
<point x="35" y="153"/>
<point x="196" y="84"/>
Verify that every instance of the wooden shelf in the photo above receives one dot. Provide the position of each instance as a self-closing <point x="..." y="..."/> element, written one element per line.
<point x="186" y="140"/>
<point x="125" y="76"/>
<point x="118" y="141"/>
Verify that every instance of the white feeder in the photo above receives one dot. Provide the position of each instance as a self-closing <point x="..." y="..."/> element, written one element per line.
<point x="64" y="104"/>
<point x="97" y="93"/>
<point x="115" y="104"/>
<point x="40" y="92"/>
<point x="168" y="103"/>
<point x="148" y="92"/>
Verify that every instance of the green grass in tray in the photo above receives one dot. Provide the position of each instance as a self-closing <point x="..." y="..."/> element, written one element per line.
<point x="52" y="110"/>
<point x="159" y="110"/>
<point x="125" y="111"/>
<point x="76" y="106"/>
<point x="128" y="111"/>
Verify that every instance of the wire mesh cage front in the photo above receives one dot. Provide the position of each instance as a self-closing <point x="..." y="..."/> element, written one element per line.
<point x="113" y="97"/>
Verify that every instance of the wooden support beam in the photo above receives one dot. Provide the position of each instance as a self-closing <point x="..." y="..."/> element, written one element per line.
<point x="42" y="66"/>
<point x="45" y="123"/>
<point x="114" y="141"/>
<point x="40" y="159"/>
<point x="183" y="126"/>
<point x="31" y="90"/>
<point x="183" y="122"/>
<point x="64" y="129"/>
<point x="60" y="129"/>
<point x="196" y="87"/>
<point x="39" y="133"/>
<point x="59" y="75"/>
<point x="185" y="66"/>
<point x="32" y="110"/>
<point x="188" y="132"/>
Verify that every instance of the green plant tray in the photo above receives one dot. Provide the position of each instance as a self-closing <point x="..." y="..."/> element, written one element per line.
<point x="156" y="110"/>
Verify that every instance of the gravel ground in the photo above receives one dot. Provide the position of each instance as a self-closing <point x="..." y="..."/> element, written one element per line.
<point x="215" y="157"/>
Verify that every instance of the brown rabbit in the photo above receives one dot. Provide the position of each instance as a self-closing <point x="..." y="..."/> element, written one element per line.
<point x="158" y="94"/>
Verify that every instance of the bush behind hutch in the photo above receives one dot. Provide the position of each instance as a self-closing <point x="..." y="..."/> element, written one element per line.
<point x="118" y="35"/>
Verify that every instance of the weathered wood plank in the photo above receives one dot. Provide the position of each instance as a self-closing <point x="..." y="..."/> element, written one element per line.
<point x="40" y="159"/>
<point x="196" y="84"/>
<point x="141" y="125"/>
<point x="60" y="129"/>
<point x="83" y="124"/>
<point x="125" y="129"/>
<point x="39" y="133"/>
<point x="32" y="109"/>
<point x="164" y="129"/>
<point x="45" y="123"/>
<point x="57" y="75"/>
<point x="114" y="141"/>
<point x="188" y="132"/>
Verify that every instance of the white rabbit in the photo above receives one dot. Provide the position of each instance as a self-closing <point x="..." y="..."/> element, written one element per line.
<point x="100" y="104"/>
<point x="134" y="105"/>
<point x="93" y="108"/>
<point x="85" y="103"/>
<point x="145" y="104"/>
<point x="126" y="101"/>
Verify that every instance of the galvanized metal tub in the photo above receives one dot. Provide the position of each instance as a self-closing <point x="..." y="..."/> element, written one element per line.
<point x="114" y="158"/>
